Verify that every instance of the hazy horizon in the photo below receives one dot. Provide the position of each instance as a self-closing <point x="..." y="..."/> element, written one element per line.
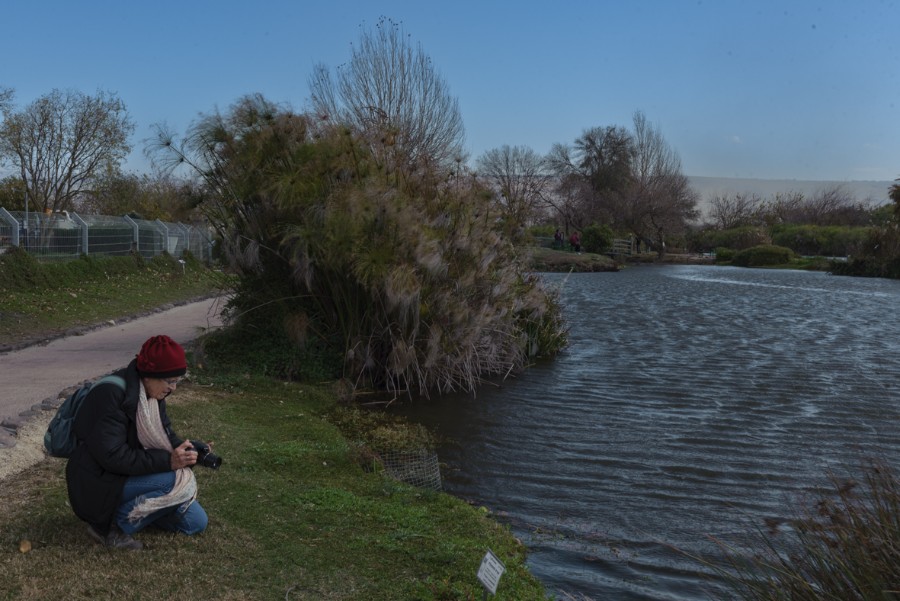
<point x="868" y="191"/>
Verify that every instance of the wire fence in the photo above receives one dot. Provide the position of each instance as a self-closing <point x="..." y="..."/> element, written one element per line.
<point x="64" y="235"/>
<point x="418" y="467"/>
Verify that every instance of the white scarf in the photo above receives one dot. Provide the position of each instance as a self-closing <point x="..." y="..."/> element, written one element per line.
<point x="152" y="435"/>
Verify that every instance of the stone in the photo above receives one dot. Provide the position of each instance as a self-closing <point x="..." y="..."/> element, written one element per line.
<point x="13" y="423"/>
<point x="7" y="440"/>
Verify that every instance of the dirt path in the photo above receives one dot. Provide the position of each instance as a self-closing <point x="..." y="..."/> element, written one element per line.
<point x="31" y="375"/>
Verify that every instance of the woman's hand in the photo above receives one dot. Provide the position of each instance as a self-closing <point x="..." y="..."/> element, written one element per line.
<point x="183" y="456"/>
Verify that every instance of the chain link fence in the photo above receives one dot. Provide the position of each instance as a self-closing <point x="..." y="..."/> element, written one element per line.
<point x="64" y="235"/>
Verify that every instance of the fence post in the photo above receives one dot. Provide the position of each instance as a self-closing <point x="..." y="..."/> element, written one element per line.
<point x="14" y="223"/>
<point x="187" y="238"/>
<point x="165" y="233"/>
<point x="137" y="232"/>
<point x="84" y="231"/>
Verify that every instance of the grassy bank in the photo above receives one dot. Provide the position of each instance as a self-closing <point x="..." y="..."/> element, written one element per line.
<point x="549" y="260"/>
<point x="293" y="513"/>
<point x="292" y="516"/>
<point x="43" y="300"/>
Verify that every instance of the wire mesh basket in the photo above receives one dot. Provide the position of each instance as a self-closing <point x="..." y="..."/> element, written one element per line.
<point x="418" y="467"/>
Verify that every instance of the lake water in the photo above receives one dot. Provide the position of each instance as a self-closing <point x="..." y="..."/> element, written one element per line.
<point x="692" y="401"/>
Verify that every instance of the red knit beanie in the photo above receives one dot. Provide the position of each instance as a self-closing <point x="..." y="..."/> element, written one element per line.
<point x="161" y="357"/>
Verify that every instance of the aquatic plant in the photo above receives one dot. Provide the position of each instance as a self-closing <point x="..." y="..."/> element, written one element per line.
<point x="845" y="545"/>
<point x="410" y="279"/>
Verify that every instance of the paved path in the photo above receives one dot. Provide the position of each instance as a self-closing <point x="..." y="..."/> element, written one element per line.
<point x="31" y="375"/>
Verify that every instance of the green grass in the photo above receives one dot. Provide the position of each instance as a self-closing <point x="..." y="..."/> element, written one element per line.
<point x="40" y="300"/>
<point x="292" y="516"/>
<point x="550" y="260"/>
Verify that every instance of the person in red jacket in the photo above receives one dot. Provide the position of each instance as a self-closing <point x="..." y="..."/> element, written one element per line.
<point x="575" y="242"/>
<point x="130" y="470"/>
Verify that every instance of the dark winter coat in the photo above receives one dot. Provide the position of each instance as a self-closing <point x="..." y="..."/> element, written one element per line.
<point x="108" y="450"/>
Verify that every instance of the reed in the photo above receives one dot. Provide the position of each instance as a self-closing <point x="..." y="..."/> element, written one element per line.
<point x="843" y="546"/>
<point x="411" y="278"/>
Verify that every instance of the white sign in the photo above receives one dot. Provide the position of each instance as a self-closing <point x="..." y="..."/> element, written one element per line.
<point x="490" y="571"/>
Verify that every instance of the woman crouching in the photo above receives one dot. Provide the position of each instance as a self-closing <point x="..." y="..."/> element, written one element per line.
<point x="130" y="470"/>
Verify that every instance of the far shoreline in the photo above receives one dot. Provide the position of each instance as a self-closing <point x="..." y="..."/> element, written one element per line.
<point x="544" y="259"/>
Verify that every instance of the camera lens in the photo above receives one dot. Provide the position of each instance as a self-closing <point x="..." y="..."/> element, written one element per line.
<point x="211" y="460"/>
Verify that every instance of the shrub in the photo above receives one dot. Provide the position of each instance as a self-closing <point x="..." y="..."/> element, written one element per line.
<point x="828" y="241"/>
<point x="262" y="348"/>
<point x="596" y="238"/>
<point x="763" y="256"/>
<point x="422" y="290"/>
<point x="878" y="257"/>
<point x="542" y="231"/>
<point x="724" y="255"/>
<point x="20" y="271"/>
<point x="379" y="429"/>
<point x="737" y="238"/>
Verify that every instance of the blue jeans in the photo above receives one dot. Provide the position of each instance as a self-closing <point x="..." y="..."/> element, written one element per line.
<point x="178" y="518"/>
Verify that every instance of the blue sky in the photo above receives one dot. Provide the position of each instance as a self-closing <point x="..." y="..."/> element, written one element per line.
<point x="761" y="89"/>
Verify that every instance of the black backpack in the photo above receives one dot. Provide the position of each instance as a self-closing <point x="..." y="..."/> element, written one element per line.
<point x="59" y="440"/>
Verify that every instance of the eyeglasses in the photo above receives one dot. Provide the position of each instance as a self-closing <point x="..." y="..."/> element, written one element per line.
<point x="172" y="382"/>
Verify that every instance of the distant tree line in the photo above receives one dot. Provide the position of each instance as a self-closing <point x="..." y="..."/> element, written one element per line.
<point x="829" y="222"/>
<point x="629" y="181"/>
<point x="66" y="149"/>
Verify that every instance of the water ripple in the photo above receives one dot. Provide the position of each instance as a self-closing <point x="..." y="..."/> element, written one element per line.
<point x="692" y="402"/>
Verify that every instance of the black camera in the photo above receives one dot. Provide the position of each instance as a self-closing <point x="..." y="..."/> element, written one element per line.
<point x="205" y="457"/>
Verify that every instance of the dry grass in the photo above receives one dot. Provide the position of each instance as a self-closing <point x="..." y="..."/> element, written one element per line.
<point x="845" y="545"/>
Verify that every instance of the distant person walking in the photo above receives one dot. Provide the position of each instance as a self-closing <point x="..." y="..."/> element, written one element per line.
<point x="575" y="242"/>
<point x="558" y="240"/>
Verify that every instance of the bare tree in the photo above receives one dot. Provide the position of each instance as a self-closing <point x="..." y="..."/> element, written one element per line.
<point x="834" y="205"/>
<point x="390" y="94"/>
<point x="605" y="156"/>
<point x="6" y="96"/>
<point x="662" y="203"/>
<point x="727" y="211"/>
<point x="570" y="198"/>
<point x="631" y="181"/>
<point x="783" y="207"/>
<point x="601" y="158"/>
<point x="156" y="196"/>
<point x="518" y="175"/>
<point x="61" y="141"/>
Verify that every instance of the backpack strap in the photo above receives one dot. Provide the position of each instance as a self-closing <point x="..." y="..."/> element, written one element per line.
<point x="117" y="380"/>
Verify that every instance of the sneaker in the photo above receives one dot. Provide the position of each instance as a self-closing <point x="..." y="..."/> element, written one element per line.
<point x="116" y="539"/>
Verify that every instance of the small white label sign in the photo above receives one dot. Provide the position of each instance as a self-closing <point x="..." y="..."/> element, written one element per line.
<point x="490" y="571"/>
